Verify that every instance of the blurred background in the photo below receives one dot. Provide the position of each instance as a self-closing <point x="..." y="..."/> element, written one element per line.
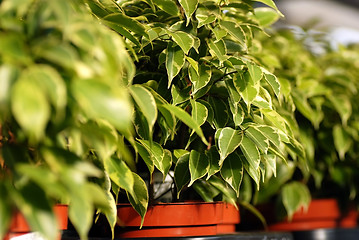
<point x="340" y="19"/>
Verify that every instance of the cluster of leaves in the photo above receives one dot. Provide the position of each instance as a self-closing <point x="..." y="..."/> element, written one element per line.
<point x="203" y="102"/>
<point x="63" y="79"/>
<point x="320" y="92"/>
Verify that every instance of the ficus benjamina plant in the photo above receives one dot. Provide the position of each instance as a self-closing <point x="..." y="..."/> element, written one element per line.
<point x="319" y="85"/>
<point x="204" y="103"/>
<point x="94" y="93"/>
<point x="64" y="105"/>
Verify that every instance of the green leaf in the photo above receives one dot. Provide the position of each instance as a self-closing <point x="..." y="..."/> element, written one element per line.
<point x="5" y="210"/>
<point x="246" y="86"/>
<point x="218" y="49"/>
<point x="175" y="59"/>
<point x="258" y="138"/>
<point x="255" y="72"/>
<point x="180" y="96"/>
<point x="228" y="141"/>
<point x="8" y="75"/>
<point x="342" y="140"/>
<point x="168" y="6"/>
<point x="52" y="84"/>
<point x="205" y="19"/>
<point x="100" y="136"/>
<point x="99" y="100"/>
<point x="30" y="108"/>
<point x="45" y="178"/>
<point x="271" y="4"/>
<point x="128" y="23"/>
<point x="181" y="173"/>
<point x="199" y="112"/>
<point x="220" y="112"/>
<point x="119" y="173"/>
<point x="266" y="16"/>
<point x="276" y="119"/>
<point x="139" y="198"/>
<point x="251" y="169"/>
<point x="205" y="190"/>
<point x="146" y="103"/>
<point x="220" y="185"/>
<point x="233" y="93"/>
<point x="237" y="113"/>
<point x="213" y="161"/>
<point x="343" y="106"/>
<point x="250" y="151"/>
<point x="146" y="157"/>
<point x="198" y="164"/>
<point x="189" y="7"/>
<point x="219" y="33"/>
<point x="295" y="195"/>
<point x="183" y="39"/>
<point x="12" y="46"/>
<point x="199" y="78"/>
<point x="186" y="119"/>
<point x="193" y="63"/>
<point x="33" y="203"/>
<point x="232" y="171"/>
<point x="273" y="185"/>
<point x="235" y="31"/>
<point x="210" y="117"/>
<point x="161" y="158"/>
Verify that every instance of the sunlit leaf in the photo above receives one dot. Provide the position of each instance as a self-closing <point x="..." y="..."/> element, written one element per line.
<point x="189" y="7"/>
<point x="228" y="141"/>
<point x="139" y="198"/>
<point x="175" y="59"/>
<point x="146" y="103"/>
<point x="30" y="108"/>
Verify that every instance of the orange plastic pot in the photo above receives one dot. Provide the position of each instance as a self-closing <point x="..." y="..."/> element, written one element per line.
<point x="20" y="227"/>
<point x="177" y="219"/>
<point x="349" y="219"/>
<point x="321" y="213"/>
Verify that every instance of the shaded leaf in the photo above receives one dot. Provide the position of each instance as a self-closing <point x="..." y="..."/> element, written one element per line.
<point x="128" y="23"/>
<point x="198" y="164"/>
<point x="232" y="171"/>
<point x="342" y="140"/>
<point x="160" y="157"/>
<point x="181" y="173"/>
<point x="295" y="195"/>
<point x="186" y="119"/>
<point x="213" y="161"/>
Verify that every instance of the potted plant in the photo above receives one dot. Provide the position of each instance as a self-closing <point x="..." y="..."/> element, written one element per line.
<point x="203" y="103"/>
<point x="320" y="98"/>
<point x="64" y="107"/>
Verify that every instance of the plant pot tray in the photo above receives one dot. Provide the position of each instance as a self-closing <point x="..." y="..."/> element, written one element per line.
<point x="236" y="236"/>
